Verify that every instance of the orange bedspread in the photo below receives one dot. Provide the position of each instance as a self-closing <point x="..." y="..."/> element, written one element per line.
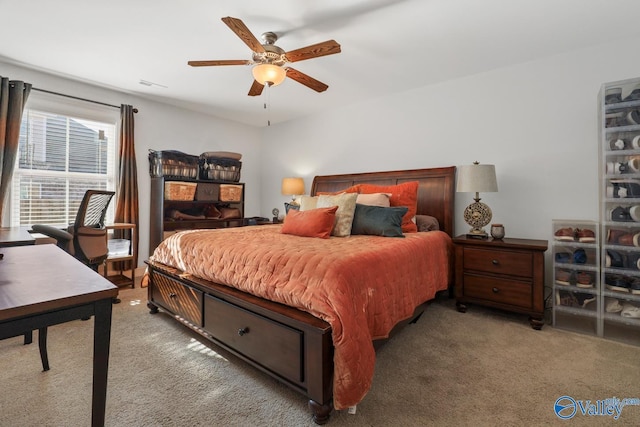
<point x="361" y="285"/>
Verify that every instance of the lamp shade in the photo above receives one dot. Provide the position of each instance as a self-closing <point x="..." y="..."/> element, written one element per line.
<point x="292" y="186"/>
<point x="269" y="74"/>
<point x="477" y="178"/>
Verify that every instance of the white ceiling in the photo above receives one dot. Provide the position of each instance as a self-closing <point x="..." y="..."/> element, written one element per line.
<point x="388" y="46"/>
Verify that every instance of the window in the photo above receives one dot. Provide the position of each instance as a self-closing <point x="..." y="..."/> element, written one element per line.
<point x="59" y="158"/>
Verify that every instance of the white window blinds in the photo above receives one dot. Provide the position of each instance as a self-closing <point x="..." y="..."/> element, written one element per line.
<point x="59" y="158"/>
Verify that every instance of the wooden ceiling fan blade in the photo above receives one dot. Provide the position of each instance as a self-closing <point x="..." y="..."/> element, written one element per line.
<point x="329" y="47"/>
<point x="256" y="89"/>
<point x="219" y="62"/>
<point x="241" y="30"/>
<point x="304" y="79"/>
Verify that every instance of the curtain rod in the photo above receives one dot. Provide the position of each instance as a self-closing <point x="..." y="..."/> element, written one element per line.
<point x="135" y="110"/>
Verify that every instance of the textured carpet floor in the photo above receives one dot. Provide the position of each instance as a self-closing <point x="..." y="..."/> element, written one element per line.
<point x="483" y="367"/>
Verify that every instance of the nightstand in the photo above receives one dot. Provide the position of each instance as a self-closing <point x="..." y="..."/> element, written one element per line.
<point x="507" y="274"/>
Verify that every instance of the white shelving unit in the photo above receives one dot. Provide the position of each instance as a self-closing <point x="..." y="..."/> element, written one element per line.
<point x="619" y="125"/>
<point x="576" y="276"/>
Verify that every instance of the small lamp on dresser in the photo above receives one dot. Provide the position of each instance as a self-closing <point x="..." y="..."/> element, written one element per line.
<point x="477" y="178"/>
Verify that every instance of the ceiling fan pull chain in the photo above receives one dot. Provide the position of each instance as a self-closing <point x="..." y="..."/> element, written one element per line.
<point x="267" y="103"/>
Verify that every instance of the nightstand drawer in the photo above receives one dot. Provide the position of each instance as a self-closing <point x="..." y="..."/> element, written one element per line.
<point x="499" y="261"/>
<point x="500" y="290"/>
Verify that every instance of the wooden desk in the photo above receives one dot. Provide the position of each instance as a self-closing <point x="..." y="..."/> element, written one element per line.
<point x="41" y="286"/>
<point x="15" y="236"/>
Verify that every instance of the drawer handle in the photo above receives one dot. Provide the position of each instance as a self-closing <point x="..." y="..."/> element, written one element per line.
<point x="495" y="290"/>
<point x="243" y="331"/>
<point x="495" y="262"/>
<point x="173" y="295"/>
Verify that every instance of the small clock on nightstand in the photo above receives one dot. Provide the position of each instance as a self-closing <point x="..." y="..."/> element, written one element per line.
<point x="276" y="214"/>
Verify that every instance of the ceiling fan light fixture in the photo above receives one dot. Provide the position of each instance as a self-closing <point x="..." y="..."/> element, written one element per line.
<point x="269" y="74"/>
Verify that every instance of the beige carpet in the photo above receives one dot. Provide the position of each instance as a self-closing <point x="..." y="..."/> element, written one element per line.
<point x="450" y="369"/>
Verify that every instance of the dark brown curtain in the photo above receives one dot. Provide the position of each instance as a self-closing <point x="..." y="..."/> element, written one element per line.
<point x="127" y="191"/>
<point x="13" y="97"/>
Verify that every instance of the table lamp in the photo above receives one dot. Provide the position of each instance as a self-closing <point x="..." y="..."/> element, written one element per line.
<point x="292" y="187"/>
<point x="477" y="178"/>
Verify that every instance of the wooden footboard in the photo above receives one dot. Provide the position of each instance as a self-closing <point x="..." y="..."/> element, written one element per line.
<point x="287" y="344"/>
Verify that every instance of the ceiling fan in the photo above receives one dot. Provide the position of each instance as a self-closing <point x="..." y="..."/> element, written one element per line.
<point x="270" y="61"/>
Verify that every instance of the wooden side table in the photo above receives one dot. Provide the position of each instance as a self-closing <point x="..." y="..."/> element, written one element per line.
<point x="507" y="274"/>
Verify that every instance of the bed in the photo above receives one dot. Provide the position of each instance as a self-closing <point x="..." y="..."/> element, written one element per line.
<point x="310" y="311"/>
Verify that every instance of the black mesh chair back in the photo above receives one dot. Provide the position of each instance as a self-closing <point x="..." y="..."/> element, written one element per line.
<point x="93" y="209"/>
<point x="85" y="239"/>
<point x="89" y="234"/>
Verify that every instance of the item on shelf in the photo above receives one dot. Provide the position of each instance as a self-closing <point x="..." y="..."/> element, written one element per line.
<point x="630" y="310"/>
<point x="563" y="257"/>
<point x="584" y="279"/>
<point x="178" y="190"/>
<point x="624" y="214"/>
<point x="613" y="95"/>
<point x="579" y="256"/>
<point x="615" y="259"/>
<point x="567" y="234"/>
<point x="207" y="191"/>
<point x="574" y="298"/>
<point x="616" y="282"/>
<point x="564" y="277"/>
<point x="585" y="235"/>
<point x="178" y="215"/>
<point x="633" y="95"/>
<point x="118" y="246"/>
<point x="617" y="144"/>
<point x="173" y="164"/>
<point x="615" y="168"/>
<point x="620" y="189"/>
<point x="211" y="211"/>
<point x="633" y="117"/>
<point x="230" y="193"/>
<point x="613" y="306"/>
<point x="217" y="168"/>
<point x="635" y="143"/>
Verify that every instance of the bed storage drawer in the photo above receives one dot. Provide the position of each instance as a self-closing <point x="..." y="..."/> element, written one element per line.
<point x="271" y="344"/>
<point x="181" y="300"/>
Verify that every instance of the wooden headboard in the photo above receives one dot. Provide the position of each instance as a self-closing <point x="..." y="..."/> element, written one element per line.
<point x="436" y="189"/>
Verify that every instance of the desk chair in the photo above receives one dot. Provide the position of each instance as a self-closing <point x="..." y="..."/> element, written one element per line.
<point x="85" y="239"/>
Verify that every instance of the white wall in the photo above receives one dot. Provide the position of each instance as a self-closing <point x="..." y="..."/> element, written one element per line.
<point x="163" y="127"/>
<point x="537" y="122"/>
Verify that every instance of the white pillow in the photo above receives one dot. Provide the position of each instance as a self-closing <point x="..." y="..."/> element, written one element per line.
<point x="374" y="199"/>
<point x="307" y="203"/>
<point x="346" y="203"/>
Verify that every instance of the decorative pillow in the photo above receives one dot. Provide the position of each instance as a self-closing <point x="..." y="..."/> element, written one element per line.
<point x="405" y="194"/>
<point x="427" y="223"/>
<point x="311" y="223"/>
<point x="374" y="199"/>
<point x="308" y="203"/>
<point x="346" y="204"/>
<point x="352" y="189"/>
<point x="378" y="221"/>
